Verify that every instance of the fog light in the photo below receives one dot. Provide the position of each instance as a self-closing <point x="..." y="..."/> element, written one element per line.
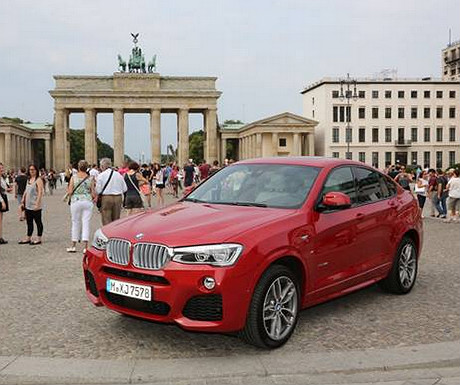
<point x="209" y="283"/>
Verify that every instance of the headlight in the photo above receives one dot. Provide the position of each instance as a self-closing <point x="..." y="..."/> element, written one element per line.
<point x="216" y="255"/>
<point x="100" y="240"/>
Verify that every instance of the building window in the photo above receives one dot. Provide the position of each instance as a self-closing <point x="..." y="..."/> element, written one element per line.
<point x="387" y="112"/>
<point x="335" y="135"/>
<point x="426" y="94"/>
<point x="400" y="94"/>
<point x="439" y="94"/>
<point x="414" y="158"/>
<point x="375" y="94"/>
<point x="375" y="135"/>
<point x="438" y="159"/>
<point x="426" y="159"/>
<point x="335" y="114"/>
<point x="401" y="112"/>
<point x="413" y="94"/>
<point x="452" y="112"/>
<point x="375" y="112"/>
<point x="362" y="157"/>
<point x="335" y="154"/>
<point x="426" y="112"/>
<point x="451" y="158"/>
<point x="438" y="112"/>
<point x="361" y="112"/>
<point x="439" y="134"/>
<point x="361" y="94"/>
<point x="452" y="94"/>
<point x="388" y="134"/>
<point x="387" y="94"/>
<point x="375" y="159"/>
<point x="335" y="94"/>
<point x="362" y="135"/>
<point x="426" y="134"/>
<point x="342" y="113"/>
<point x="282" y="142"/>
<point x="451" y="134"/>
<point x="414" y="134"/>
<point x="348" y="156"/>
<point x="387" y="159"/>
<point x="413" y="112"/>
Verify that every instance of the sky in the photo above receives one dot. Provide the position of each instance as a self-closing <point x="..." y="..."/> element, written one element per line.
<point x="263" y="52"/>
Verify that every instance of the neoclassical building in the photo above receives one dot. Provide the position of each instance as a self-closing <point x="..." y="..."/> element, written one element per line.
<point x="24" y="143"/>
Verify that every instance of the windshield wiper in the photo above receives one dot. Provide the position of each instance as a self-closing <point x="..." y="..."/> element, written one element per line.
<point x="194" y="200"/>
<point x="253" y="204"/>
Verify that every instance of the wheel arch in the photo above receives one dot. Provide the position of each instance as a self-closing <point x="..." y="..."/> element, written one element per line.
<point x="414" y="236"/>
<point x="296" y="266"/>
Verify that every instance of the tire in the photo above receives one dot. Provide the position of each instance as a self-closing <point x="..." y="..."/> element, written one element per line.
<point x="273" y="332"/>
<point x="398" y="282"/>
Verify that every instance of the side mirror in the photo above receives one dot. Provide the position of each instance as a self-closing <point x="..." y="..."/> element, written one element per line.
<point x="336" y="200"/>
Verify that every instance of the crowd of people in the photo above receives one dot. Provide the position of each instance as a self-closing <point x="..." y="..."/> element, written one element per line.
<point x="131" y="187"/>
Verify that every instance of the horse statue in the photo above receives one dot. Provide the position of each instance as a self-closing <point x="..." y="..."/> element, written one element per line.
<point x="152" y="66"/>
<point x="136" y="62"/>
<point x="121" y="64"/>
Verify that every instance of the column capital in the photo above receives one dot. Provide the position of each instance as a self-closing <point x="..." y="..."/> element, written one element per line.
<point x="118" y="109"/>
<point x="212" y="108"/>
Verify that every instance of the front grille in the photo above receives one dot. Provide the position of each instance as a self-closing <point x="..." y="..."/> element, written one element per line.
<point x="90" y="283"/>
<point x="150" y="256"/>
<point x="118" y="251"/>
<point x="152" y="307"/>
<point x="204" y="308"/>
<point x="137" y="276"/>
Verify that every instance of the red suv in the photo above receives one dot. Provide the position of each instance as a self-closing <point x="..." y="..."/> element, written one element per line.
<point x="256" y="243"/>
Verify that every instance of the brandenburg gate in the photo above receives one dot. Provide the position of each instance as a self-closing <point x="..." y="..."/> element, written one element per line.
<point x="135" y="91"/>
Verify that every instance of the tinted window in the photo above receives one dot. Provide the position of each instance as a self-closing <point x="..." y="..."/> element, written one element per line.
<point x="388" y="186"/>
<point x="370" y="184"/>
<point x="341" y="180"/>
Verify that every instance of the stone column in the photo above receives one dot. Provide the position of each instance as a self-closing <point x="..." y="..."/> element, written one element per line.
<point x="295" y="144"/>
<point x="274" y="144"/>
<point x="311" y="144"/>
<point x="258" y="145"/>
<point x="211" y="135"/>
<point x="243" y="147"/>
<point x="8" y="160"/>
<point x="30" y="155"/>
<point x="47" y="154"/>
<point x="90" y="134"/>
<point x="118" y="137"/>
<point x="155" y="135"/>
<point x="223" y="150"/>
<point x="182" y="148"/>
<point x="16" y="152"/>
<point x="60" y="138"/>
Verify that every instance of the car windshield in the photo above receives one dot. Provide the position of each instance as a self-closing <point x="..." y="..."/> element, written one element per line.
<point x="262" y="185"/>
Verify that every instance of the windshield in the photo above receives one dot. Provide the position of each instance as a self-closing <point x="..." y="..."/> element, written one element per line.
<point x="264" y="185"/>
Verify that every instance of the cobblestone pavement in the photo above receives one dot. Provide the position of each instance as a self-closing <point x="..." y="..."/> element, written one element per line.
<point x="44" y="310"/>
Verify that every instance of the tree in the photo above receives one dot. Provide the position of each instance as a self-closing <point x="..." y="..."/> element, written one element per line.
<point x="196" y="140"/>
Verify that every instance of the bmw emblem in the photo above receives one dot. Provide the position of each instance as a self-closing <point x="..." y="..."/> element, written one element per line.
<point x="139" y="236"/>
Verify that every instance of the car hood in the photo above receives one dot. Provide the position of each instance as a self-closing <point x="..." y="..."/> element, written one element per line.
<point x="187" y="223"/>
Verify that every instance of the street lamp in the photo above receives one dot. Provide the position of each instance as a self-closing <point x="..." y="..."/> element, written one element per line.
<point x="350" y="93"/>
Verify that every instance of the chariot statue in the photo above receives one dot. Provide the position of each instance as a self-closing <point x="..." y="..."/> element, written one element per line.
<point x="136" y="62"/>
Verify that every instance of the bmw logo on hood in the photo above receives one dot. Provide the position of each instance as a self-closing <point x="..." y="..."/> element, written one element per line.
<point x="139" y="236"/>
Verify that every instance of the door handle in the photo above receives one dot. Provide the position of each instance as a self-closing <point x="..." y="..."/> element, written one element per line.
<point x="360" y="216"/>
<point x="392" y="203"/>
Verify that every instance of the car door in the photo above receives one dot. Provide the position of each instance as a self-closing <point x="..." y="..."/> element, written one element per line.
<point x="374" y="220"/>
<point x="334" y="247"/>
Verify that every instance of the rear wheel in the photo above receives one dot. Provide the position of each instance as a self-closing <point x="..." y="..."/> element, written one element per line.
<point x="274" y="309"/>
<point x="403" y="274"/>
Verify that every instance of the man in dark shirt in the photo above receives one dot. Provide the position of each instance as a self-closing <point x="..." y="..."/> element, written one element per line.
<point x="442" y="194"/>
<point x="432" y="189"/>
<point x="20" y="187"/>
<point x="189" y="170"/>
<point x="204" y="170"/>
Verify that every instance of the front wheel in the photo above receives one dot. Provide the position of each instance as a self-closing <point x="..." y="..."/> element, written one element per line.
<point x="274" y="309"/>
<point x="403" y="274"/>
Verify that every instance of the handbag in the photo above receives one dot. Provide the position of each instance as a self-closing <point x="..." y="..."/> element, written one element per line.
<point x="68" y="197"/>
<point x="142" y="196"/>
<point x="99" y="196"/>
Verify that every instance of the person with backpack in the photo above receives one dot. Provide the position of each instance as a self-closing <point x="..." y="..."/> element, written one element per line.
<point x="134" y="199"/>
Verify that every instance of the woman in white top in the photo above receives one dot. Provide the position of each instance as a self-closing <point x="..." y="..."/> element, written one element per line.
<point x="158" y="179"/>
<point x="453" y="203"/>
<point x="421" y="188"/>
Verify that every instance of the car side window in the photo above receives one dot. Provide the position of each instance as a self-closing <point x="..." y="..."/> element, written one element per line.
<point x="341" y="180"/>
<point x="370" y="186"/>
<point x="391" y="188"/>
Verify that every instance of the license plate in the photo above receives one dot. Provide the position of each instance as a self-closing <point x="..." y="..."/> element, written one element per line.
<point x="129" y="289"/>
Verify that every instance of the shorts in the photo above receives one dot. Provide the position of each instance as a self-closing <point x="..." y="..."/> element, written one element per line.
<point x="453" y="204"/>
<point x="133" y="202"/>
<point x="19" y="198"/>
<point x="161" y="185"/>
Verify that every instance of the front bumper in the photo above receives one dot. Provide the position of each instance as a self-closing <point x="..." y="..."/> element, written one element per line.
<point x="178" y="293"/>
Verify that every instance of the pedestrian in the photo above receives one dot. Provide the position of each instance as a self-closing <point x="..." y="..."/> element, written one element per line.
<point x="420" y="190"/>
<point x="174" y="181"/>
<point x="442" y="194"/>
<point x="94" y="172"/>
<point x="403" y="178"/>
<point x="432" y="190"/>
<point x="82" y="193"/>
<point x="159" y="180"/>
<point x="32" y="204"/>
<point x="4" y="189"/>
<point x="134" y="201"/>
<point x="110" y="186"/>
<point x="204" y="170"/>
<point x="214" y="168"/>
<point x="146" y="187"/>
<point x="19" y="189"/>
<point x="189" y="172"/>
<point x="453" y="190"/>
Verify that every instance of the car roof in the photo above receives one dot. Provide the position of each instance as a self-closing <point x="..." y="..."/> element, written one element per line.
<point x="314" y="161"/>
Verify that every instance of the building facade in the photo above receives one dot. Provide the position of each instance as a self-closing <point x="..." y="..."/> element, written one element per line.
<point x="451" y="61"/>
<point x="285" y="134"/>
<point x="405" y="121"/>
